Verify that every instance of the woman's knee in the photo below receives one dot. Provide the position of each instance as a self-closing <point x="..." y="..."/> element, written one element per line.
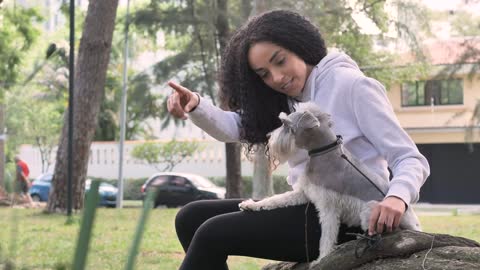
<point x="212" y="232"/>
<point x="189" y="214"/>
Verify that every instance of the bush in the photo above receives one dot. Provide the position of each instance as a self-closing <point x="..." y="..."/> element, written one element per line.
<point x="10" y="174"/>
<point x="280" y="184"/>
<point x="131" y="188"/>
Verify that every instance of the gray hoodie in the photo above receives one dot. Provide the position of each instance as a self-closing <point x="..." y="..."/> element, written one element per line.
<point x="361" y="113"/>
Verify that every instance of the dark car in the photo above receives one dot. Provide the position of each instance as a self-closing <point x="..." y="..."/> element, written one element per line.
<point x="40" y="190"/>
<point x="177" y="189"/>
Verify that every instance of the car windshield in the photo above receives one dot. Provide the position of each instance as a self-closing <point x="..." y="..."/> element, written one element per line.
<point x="44" y="177"/>
<point x="201" y="182"/>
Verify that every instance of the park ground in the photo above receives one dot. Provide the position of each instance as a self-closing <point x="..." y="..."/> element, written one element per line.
<point x="31" y="239"/>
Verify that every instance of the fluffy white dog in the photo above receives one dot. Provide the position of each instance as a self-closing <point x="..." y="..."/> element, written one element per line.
<point x="342" y="189"/>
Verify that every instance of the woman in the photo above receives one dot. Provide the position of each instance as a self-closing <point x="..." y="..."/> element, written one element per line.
<point x="273" y="62"/>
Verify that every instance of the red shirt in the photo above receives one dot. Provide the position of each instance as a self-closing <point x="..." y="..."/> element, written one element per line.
<point x="24" y="167"/>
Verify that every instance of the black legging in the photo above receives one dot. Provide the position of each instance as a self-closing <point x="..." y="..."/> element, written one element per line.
<point x="211" y="230"/>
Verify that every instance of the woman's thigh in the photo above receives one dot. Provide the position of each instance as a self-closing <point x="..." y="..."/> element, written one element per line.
<point x="194" y="214"/>
<point x="289" y="233"/>
<point x="281" y="234"/>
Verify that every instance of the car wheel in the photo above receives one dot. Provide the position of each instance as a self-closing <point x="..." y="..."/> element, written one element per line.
<point x="36" y="198"/>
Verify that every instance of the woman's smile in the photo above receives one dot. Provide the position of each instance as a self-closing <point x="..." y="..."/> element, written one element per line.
<point x="279" y="68"/>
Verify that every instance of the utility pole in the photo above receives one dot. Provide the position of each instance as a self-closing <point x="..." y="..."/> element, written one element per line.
<point x="123" y="114"/>
<point x="71" y="91"/>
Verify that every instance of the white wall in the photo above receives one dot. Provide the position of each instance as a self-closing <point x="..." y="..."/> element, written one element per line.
<point x="104" y="157"/>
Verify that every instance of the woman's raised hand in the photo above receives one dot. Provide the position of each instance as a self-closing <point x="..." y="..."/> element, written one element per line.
<point x="181" y="101"/>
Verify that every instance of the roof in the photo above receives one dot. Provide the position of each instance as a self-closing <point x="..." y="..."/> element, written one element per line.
<point x="465" y="50"/>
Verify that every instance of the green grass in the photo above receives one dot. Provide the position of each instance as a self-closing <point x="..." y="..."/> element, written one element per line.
<point x="44" y="241"/>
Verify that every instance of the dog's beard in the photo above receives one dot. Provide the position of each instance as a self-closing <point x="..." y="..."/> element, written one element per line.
<point x="281" y="144"/>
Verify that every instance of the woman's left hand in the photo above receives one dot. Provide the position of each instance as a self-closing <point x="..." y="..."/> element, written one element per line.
<point x="386" y="215"/>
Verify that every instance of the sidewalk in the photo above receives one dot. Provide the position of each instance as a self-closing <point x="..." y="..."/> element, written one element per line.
<point x="426" y="209"/>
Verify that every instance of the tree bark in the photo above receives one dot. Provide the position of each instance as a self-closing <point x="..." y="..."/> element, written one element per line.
<point x="2" y="144"/>
<point x="262" y="175"/>
<point x="233" y="179"/>
<point x="234" y="172"/>
<point x="399" y="250"/>
<point x="262" y="184"/>
<point x="90" y="73"/>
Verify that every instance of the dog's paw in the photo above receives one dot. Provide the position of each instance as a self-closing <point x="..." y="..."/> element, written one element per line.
<point x="314" y="264"/>
<point x="248" y="205"/>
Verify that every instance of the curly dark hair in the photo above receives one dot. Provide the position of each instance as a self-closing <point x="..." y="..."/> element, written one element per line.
<point x="243" y="91"/>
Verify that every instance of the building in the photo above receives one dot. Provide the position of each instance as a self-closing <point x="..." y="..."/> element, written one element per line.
<point x="436" y="111"/>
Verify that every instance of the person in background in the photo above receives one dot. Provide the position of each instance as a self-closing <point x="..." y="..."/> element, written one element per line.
<point x="21" y="180"/>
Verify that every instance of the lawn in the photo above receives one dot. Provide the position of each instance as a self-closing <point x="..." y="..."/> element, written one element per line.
<point x="33" y="240"/>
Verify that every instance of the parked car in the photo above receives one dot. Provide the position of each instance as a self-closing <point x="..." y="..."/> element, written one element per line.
<point x="177" y="189"/>
<point x="41" y="187"/>
<point x="40" y="190"/>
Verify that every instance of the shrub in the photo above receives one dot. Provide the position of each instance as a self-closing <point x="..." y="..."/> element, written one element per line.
<point x="131" y="188"/>
<point x="280" y="184"/>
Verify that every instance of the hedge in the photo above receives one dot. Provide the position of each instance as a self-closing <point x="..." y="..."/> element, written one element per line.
<point x="132" y="186"/>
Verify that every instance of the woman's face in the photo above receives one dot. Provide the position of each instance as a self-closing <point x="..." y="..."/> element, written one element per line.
<point x="279" y="68"/>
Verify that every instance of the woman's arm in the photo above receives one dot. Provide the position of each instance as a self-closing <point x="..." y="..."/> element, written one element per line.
<point x="221" y="125"/>
<point x="378" y="122"/>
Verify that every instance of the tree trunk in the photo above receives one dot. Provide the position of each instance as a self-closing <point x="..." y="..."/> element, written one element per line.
<point x="90" y="73"/>
<point x="262" y="184"/>
<point x="234" y="170"/>
<point x="2" y="144"/>
<point x="262" y="175"/>
<point x="399" y="250"/>
<point x="246" y="8"/>
<point x="233" y="179"/>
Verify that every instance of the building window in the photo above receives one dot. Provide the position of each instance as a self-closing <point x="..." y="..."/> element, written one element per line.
<point x="432" y="92"/>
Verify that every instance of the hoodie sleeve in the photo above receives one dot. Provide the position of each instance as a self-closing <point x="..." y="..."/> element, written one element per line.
<point x="377" y="121"/>
<point x="222" y="125"/>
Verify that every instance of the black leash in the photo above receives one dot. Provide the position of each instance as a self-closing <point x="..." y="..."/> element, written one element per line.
<point x="372" y="242"/>
<point x="366" y="177"/>
<point x="326" y="147"/>
<point x="339" y="141"/>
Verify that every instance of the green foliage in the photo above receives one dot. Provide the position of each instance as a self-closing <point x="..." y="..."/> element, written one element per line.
<point x="191" y="35"/>
<point x="32" y="119"/>
<point x="131" y="189"/>
<point x="10" y="175"/>
<point x="169" y="154"/>
<point x="17" y="36"/>
<point x="147" y="207"/>
<point x="142" y="102"/>
<point x="280" y="185"/>
<point x="86" y="228"/>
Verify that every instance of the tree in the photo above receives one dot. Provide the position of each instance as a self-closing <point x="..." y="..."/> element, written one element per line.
<point x="33" y="120"/>
<point x="193" y="32"/>
<point x="233" y="162"/>
<point x="90" y="74"/>
<point x="262" y="182"/>
<point x="142" y="102"/>
<point x="18" y="35"/>
<point x="197" y="31"/>
<point x="169" y="154"/>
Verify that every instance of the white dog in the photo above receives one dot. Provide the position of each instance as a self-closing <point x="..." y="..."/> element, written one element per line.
<point x="342" y="189"/>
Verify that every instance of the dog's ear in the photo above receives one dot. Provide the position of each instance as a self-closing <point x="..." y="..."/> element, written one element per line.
<point x="285" y="120"/>
<point x="309" y="120"/>
<point x="326" y="118"/>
